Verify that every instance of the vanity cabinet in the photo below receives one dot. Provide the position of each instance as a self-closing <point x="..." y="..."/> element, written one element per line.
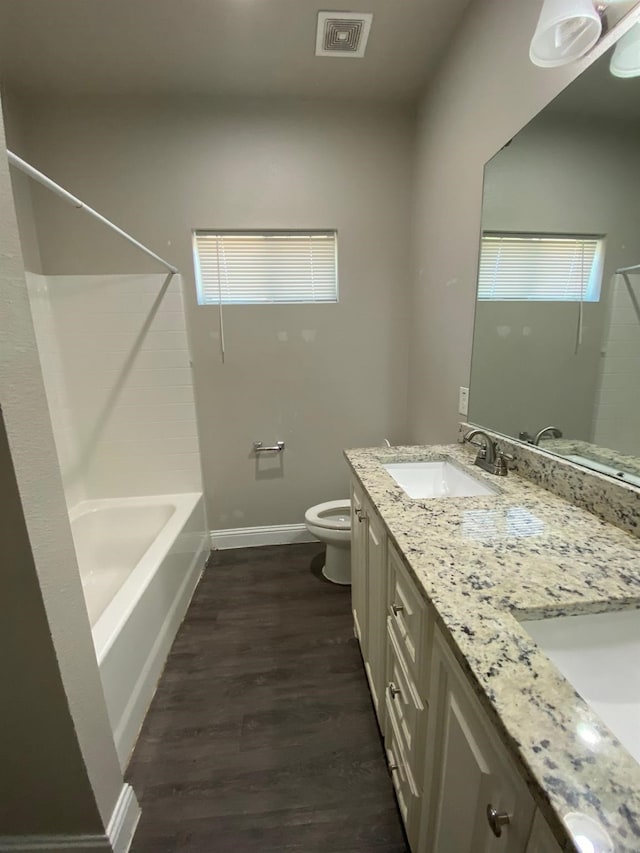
<point x="368" y="592"/>
<point x="542" y="839"/>
<point x="456" y="786"/>
<point x="478" y="801"/>
<point x="406" y="691"/>
<point x="358" y="566"/>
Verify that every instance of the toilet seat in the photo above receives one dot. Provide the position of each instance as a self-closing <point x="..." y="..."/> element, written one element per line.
<point x="331" y="515"/>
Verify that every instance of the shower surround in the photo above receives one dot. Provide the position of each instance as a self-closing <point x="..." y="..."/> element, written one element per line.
<point x="115" y="360"/>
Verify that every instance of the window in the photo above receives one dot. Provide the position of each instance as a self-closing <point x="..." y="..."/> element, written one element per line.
<point x="540" y="267"/>
<point x="261" y="267"/>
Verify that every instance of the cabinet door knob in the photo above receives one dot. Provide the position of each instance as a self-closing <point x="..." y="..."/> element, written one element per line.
<point x="397" y="608"/>
<point x="393" y="768"/>
<point x="394" y="691"/>
<point x="360" y="514"/>
<point x="496" y="820"/>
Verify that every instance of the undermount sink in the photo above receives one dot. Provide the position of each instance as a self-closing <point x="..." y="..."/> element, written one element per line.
<point x="440" y="479"/>
<point x="599" y="654"/>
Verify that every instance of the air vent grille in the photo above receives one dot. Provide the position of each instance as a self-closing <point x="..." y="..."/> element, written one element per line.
<point x="342" y="33"/>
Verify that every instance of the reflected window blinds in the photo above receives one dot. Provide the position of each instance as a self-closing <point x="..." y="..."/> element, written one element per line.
<point x="543" y="267"/>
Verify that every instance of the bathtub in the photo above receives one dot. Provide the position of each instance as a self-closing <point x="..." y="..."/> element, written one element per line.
<point x="140" y="560"/>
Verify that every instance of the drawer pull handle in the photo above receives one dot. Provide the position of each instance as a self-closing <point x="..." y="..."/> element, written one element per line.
<point x="361" y="515"/>
<point x="393" y="768"/>
<point x="397" y="608"/>
<point x="394" y="691"/>
<point x="496" y="820"/>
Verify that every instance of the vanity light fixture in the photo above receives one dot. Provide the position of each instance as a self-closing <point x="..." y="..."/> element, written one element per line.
<point x="625" y="61"/>
<point x="566" y="30"/>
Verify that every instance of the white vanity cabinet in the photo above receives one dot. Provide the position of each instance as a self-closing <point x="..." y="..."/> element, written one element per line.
<point x="368" y="592"/>
<point x="358" y="566"/>
<point x="406" y="697"/>
<point x="457" y="788"/>
<point x="478" y="802"/>
<point x="542" y="839"/>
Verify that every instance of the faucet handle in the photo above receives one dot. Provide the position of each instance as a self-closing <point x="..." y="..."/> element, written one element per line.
<point x="501" y="467"/>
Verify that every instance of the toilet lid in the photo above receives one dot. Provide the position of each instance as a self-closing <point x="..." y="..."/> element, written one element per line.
<point x="334" y="515"/>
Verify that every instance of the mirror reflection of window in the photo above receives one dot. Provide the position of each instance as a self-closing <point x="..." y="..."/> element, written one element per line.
<point x="557" y="333"/>
<point x="545" y="267"/>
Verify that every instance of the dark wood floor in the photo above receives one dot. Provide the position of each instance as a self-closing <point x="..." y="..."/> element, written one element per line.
<point x="261" y="737"/>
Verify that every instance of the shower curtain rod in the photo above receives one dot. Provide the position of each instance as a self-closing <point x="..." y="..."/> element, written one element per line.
<point x="628" y="269"/>
<point x="41" y="178"/>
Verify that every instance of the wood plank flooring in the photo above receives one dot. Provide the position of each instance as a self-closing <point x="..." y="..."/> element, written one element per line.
<point x="261" y="737"/>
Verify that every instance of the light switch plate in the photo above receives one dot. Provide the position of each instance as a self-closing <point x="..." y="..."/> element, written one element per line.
<point x="463" y="400"/>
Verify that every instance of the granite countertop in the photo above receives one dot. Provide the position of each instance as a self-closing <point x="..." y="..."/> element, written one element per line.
<point x="487" y="562"/>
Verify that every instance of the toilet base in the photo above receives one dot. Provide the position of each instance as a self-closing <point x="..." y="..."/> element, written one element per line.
<point x="337" y="565"/>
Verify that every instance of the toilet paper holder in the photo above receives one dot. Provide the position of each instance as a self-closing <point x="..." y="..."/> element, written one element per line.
<point x="278" y="447"/>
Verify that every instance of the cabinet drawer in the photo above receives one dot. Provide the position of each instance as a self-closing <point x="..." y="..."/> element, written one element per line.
<point x="407" y="611"/>
<point x="403" y="781"/>
<point x="405" y="704"/>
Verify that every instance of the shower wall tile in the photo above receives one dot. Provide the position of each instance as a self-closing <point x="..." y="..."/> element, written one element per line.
<point x="124" y="357"/>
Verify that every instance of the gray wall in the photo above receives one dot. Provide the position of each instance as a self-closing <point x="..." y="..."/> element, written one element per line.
<point x="560" y="174"/>
<point x="45" y="787"/>
<point x="319" y="377"/>
<point x="22" y="194"/>
<point x="60" y="772"/>
<point x="485" y="91"/>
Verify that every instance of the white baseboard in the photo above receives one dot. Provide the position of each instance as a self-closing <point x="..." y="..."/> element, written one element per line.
<point x="250" y="537"/>
<point x="124" y="820"/>
<point x="117" y="838"/>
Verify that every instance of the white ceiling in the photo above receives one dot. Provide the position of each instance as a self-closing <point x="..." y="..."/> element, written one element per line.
<point x="217" y="47"/>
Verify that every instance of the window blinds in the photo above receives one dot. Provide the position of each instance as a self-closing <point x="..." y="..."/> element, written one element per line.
<point x="540" y="267"/>
<point x="255" y="267"/>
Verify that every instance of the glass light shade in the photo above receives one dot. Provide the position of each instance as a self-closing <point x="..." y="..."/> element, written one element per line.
<point x="566" y="30"/>
<point x="625" y="61"/>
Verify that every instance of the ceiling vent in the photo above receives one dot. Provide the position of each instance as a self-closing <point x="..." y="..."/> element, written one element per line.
<point x="343" y="33"/>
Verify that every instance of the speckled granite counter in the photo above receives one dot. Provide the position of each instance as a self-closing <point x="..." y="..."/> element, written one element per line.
<point x="525" y="553"/>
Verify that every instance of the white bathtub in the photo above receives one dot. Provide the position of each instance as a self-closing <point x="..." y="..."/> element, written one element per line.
<point x="140" y="560"/>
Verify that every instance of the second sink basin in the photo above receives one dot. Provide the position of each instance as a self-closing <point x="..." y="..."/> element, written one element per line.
<point x="439" y="479"/>
<point x="600" y="655"/>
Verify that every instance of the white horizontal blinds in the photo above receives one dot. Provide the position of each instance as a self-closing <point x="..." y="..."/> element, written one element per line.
<point x="540" y="267"/>
<point x="265" y="267"/>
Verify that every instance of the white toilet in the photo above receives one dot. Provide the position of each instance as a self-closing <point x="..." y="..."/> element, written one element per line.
<point x="331" y="523"/>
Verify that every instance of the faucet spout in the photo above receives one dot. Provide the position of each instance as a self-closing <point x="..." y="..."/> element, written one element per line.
<point x="490" y="458"/>
<point x="553" y="431"/>
<point x="487" y="449"/>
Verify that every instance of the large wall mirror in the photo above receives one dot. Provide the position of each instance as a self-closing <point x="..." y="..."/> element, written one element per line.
<point x="557" y="329"/>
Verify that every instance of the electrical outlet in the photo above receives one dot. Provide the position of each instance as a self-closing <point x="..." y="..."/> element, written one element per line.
<point x="463" y="400"/>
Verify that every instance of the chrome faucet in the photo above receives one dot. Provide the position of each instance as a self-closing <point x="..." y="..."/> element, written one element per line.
<point x="553" y="431"/>
<point x="490" y="458"/>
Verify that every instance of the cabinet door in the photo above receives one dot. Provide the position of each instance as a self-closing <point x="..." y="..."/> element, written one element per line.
<point x="542" y="839"/>
<point x="374" y="651"/>
<point x="359" y="566"/>
<point x="472" y="774"/>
